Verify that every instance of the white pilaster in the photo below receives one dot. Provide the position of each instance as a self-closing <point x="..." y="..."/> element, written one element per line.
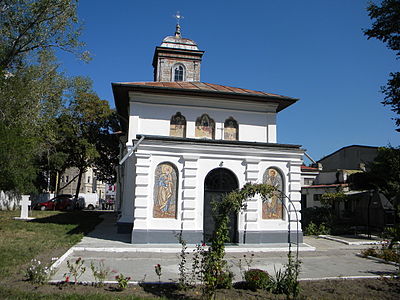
<point x="251" y="212"/>
<point x="141" y="206"/>
<point x="189" y="186"/>
<point x="294" y="192"/>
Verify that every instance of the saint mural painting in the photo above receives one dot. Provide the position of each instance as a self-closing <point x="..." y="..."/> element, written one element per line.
<point x="178" y="125"/>
<point x="205" y="127"/>
<point x="272" y="207"/>
<point x="230" y="129"/>
<point x="165" y="191"/>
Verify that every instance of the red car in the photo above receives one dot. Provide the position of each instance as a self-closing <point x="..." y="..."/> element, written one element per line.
<point x="61" y="202"/>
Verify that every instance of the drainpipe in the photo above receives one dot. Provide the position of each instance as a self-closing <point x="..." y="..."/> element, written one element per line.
<point x="371" y="193"/>
<point x="130" y="152"/>
<point x="310" y="158"/>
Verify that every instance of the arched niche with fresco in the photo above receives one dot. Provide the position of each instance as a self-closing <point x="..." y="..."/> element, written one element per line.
<point x="177" y="125"/>
<point x="231" y="129"/>
<point x="205" y="127"/>
<point x="165" y="191"/>
<point x="272" y="206"/>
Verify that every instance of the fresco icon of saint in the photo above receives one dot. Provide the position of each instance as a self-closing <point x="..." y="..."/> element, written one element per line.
<point x="165" y="191"/>
<point x="272" y="207"/>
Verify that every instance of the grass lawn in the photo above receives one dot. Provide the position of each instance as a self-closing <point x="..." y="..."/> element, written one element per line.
<point x="52" y="233"/>
<point x="49" y="235"/>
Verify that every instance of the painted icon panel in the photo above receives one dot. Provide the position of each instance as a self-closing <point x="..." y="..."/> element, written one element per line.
<point x="272" y="207"/>
<point x="205" y="127"/>
<point x="165" y="191"/>
<point x="177" y="125"/>
<point x="230" y="129"/>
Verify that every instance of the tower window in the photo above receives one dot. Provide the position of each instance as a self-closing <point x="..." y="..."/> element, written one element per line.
<point x="178" y="73"/>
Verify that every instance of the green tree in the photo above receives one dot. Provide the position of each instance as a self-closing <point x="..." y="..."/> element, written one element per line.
<point x="30" y="99"/>
<point x="385" y="171"/>
<point x="89" y="132"/>
<point x="32" y="89"/>
<point x="27" y="26"/>
<point x="107" y="145"/>
<point x="386" y="28"/>
<point x="382" y="174"/>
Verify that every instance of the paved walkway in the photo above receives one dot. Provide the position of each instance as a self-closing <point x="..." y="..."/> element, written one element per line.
<point x="320" y="258"/>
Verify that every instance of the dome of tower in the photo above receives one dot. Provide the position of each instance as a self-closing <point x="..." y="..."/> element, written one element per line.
<point x="178" y="42"/>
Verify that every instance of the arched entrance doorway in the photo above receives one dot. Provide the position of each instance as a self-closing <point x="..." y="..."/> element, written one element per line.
<point x="217" y="183"/>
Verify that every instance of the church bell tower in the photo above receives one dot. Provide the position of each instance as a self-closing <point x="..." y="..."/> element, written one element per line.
<point x="177" y="59"/>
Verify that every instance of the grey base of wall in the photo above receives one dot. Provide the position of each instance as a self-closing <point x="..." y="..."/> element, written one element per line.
<point x="124" y="227"/>
<point x="165" y="236"/>
<point x="267" y="237"/>
<point x="195" y="237"/>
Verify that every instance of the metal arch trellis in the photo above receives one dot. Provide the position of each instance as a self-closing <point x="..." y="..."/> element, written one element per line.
<point x="249" y="190"/>
<point x="289" y="222"/>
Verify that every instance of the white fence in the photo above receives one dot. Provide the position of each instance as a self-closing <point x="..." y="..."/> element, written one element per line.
<point x="9" y="200"/>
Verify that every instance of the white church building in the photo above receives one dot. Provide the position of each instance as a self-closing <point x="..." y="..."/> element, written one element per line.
<point x="186" y="143"/>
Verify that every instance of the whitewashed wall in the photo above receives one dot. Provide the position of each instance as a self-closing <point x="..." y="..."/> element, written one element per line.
<point x="193" y="165"/>
<point x="151" y="116"/>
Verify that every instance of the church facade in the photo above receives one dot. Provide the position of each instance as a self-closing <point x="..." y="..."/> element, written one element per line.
<point x="187" y="143"/>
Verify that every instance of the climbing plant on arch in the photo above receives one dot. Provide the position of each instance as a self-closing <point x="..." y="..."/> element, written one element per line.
<point x="215" y="267"/>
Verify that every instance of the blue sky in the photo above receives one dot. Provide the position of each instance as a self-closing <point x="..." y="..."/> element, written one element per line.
<point x="314" y="50"/>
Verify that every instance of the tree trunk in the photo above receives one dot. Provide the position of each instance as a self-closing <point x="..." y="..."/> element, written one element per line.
<point x="57" y="185"/>
<point x="78" y="185"/>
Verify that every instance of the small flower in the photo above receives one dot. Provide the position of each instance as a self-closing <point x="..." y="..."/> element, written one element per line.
<point x="203" y="244"/>
<point x="67" y="279"/>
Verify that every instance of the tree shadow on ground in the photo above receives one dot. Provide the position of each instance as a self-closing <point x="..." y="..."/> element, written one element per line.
<point x="85" y="221"/>
<point x="384" y="273"/>
<point x="166" y="290"/>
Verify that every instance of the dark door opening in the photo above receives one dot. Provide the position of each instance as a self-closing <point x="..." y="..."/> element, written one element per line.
<point x="217" y="184"/>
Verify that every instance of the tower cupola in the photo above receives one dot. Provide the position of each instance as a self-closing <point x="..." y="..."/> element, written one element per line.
<point x="177" y="59"/>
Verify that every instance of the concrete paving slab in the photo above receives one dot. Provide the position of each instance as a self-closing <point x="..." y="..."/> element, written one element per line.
<point x="353" y="240"/>
<point x="330" y="258"/>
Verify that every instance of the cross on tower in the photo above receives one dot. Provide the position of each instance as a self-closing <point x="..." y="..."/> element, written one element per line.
<point x="178" y="17"/>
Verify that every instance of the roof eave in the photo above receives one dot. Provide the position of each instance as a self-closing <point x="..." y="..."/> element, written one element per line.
<point x="282" y="101"/>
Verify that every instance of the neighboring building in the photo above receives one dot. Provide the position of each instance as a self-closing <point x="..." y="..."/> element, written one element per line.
<point x="308" y="177"/>
<point x="89" y="183"/>
<point x="188" y="143"/>
<point x="354" y="157"/>
<point x="363" y="208"/>
<point x="309" y="174"/>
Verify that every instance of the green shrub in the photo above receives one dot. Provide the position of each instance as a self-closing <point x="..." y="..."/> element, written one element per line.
<point x="257" y="279"/>
<point x="390" y="255"/>
<point x="286" y="279"/>
<point x="314" y="229"/>
<point x="38" y="272"/>
<point x="122" y="281"/>
<point x="316" y="215"/>
<point x="224" y="280"/>
<point x="369" y="252"/>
